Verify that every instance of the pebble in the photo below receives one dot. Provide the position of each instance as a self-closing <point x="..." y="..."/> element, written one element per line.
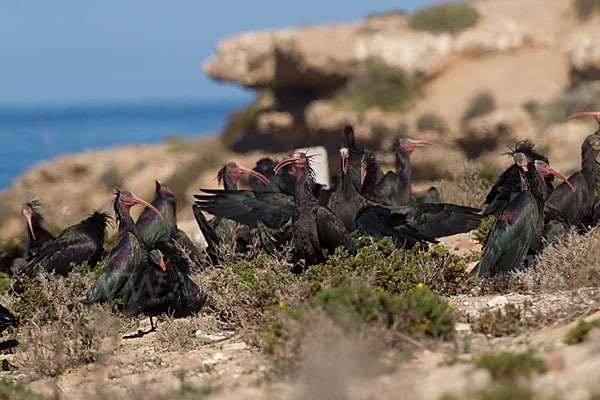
<point x="213" y="337"/>
<point x="497" y="301"/>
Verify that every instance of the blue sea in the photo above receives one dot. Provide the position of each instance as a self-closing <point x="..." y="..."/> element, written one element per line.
<point x="32" y="134"/>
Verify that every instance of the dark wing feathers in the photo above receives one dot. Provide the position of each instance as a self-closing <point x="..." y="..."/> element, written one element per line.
<point x="332" y="232"/>
<point x="439" y="220"/>
<point x="243" y="206"/>
<point x="509" y="238"/>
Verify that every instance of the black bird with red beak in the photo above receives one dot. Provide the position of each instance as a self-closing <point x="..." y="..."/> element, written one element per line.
<point x="218" y="230"/>
<point x="509" y="181"/>
<point x="346" y="200"/>
<point x="75" y="245"/>
<point x="520" y="223"/>
<point x="232" y="172"/>
<point x="37" y="238"/>
<point x="316" y="230"/>
<point x="396" y="186"/>
<point x="126" y="254"/>
<point x="429" y="220"/>
<point x="151" y="227"/>
<point x="579" y="205"/>
<point x="160" y="283"/>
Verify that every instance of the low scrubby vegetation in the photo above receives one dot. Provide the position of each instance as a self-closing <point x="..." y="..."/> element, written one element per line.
<point x="500" y="322"/>
<point x="586" y="8"/>
<point x="377" y="84"/>
<point x="432" y="122"/>
<point x="450" y="17"/>
<point x="579" y="333"/>
<point x="481" y="104"/>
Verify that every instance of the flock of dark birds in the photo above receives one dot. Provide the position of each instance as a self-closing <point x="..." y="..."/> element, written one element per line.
<point x="149" y="267"/>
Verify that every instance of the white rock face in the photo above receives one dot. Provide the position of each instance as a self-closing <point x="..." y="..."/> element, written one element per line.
<point x="325" y="56"/>
<point x="319" y="163"/>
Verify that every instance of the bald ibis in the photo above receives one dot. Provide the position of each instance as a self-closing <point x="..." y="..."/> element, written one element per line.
<point x="153" y="229"/>
<point x="160" y="283"/>
<point x="396" y="186"/>
<point x="150" y="226"/>
<point x="520" y="222"/>
<point x="430" y="220"/>
<point x="578" y="205"/>
<point x="316" y="230"/>
<point x="509" y="182"/>
<point x="282" y="182"/>
<point x="37" y="238"/>
<point x="75" y="245"/>
<point x="219" y="230"/>
<point x="126" y="253"/>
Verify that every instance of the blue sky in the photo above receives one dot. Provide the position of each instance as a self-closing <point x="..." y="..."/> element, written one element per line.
<point x="73" y="51"/>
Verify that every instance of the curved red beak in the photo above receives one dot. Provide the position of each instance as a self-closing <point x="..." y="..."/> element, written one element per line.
<point x="28" y="216"/>
<point x="150" y="206"/>
<point x="254" y="173"/>
<point x="559" y="176"/>
<point x="363" y="174"/>
<point x="421" y="143"/>
<point x="521" y="160"/>
<point x="593" y="114"/>
<point x="283" y="163"/>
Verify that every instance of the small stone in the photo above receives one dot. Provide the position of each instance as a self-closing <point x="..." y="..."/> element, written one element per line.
<point x="462" y="327"/>
<point x="497" y="301"/>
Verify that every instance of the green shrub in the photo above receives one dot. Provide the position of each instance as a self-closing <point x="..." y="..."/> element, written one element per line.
<point x="419" y="312"/>
<point x="444" y="18"/>
<point x="585" y="8"/>
<point x="12" y="390"/>
<point x="377" y="84"/>
<point x="500" y="322"/>
<point x="580" y="332"/>
<point x="484" y="229"/>
<point x="482" y="103"/>
<point x="387" y="268"/>
<point x="507" y="367"/>
<point x="431" y="122"/>
<point x="349" y="304"/>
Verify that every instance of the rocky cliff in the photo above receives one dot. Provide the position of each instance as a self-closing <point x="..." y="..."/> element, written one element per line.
<point x="532" y="69"/>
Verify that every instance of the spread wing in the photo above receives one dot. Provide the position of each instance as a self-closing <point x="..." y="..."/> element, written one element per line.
<point x="439" y="220"/>
<point x="247" y="208"/>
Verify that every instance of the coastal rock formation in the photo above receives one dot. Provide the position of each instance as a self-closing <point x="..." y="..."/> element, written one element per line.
<point x="303" y="76"/>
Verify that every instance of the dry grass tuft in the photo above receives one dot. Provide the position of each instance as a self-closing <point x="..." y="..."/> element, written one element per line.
<point x="467" y="188"/>
<point x="244" y="287"/>
<point x="74" y="338"/>
<point x="572" y="263"/>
